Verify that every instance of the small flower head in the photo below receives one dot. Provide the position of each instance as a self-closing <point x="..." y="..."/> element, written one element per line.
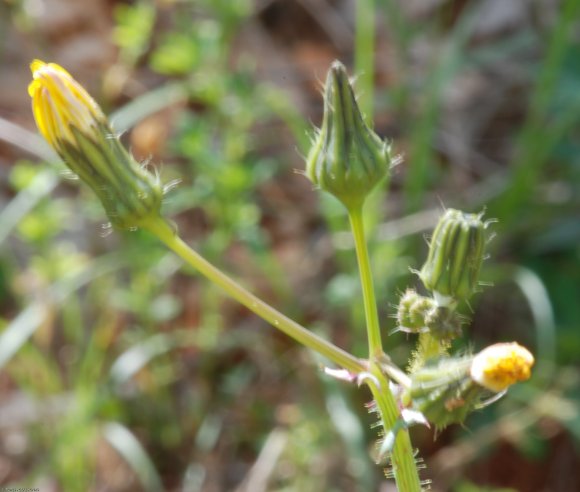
<point x="447" y="389"/>
<point x="499" y="366"/>
<point x="347" y="158"/>
<point x="74" y="125"/>
<point x="455" y="256"/>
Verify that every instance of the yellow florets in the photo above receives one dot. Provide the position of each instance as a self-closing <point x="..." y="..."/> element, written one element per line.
<point x="59" y="103"/>
<point x="499" y="366"/>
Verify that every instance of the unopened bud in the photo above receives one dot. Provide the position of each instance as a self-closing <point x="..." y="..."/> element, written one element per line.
<point x="455" y="255"/>
<point x="420" y="314"/>
<point x="412" y="311"/>
<point x="74" y="125"/>
<point x="347" y="158"/>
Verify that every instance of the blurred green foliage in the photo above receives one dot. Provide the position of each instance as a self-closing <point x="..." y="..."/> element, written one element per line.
<point x="122" y="371"/>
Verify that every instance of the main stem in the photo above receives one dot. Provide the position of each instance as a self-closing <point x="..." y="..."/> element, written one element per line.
<point x="296" y="331"/>
<point x="402" y="457"/>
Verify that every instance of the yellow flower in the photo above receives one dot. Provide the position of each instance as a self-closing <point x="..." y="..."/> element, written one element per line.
<point x="74" y="125"/>
<point x="499" y="366"/>
<point x="59" y="103"/>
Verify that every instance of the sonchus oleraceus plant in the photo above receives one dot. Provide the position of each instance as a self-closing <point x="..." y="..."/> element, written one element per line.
<point x="348" y="160"/>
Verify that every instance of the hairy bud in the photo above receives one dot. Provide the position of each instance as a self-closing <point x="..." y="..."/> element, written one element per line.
<point x="347" y="158"/>
<point x="455" y="256"/>
<point x="420" y="314"/>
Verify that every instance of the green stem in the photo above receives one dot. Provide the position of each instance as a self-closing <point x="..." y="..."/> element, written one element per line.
<point x="366" y="278"/>
<point x="402" y="457"/>
<point x="403" y="460"/>
<point x="167" y="235"/>
<point x="429" y="347"/>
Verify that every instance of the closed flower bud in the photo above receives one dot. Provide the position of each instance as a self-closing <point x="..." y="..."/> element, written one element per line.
<point x="420" y="314"/>
<point x="501" y="365"/>
<point x="455" y="255"/>
<point x="74" y="125"/>
<point x="412" y="311"/>
<point x="347" y="158"/>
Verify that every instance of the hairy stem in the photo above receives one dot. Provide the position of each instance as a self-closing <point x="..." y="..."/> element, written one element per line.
<point x="403" y="459"/>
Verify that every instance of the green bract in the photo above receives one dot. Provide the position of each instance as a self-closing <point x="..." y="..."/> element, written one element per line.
<point x="444" y="392"/>
<point x="347" y="158"/>
<point x="455" y="256"/>
<point x="129" y="194"/>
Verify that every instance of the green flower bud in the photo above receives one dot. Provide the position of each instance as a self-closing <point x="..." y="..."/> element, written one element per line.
<point x="413" y="310"/>
<point x="74" y="125"/>
<point x="420" y="314"/>
<point x="347" y="158"/>
<point x="455" y="256"/>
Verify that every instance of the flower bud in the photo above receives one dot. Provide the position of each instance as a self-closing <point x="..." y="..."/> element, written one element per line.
<point x="455" y="256"/>
<point x="412" y="311"/>
<point x="347" y="158"/>
<point x="501" y="365"/>
<point x="419" y="314"/>
<point x="74" y="125"/>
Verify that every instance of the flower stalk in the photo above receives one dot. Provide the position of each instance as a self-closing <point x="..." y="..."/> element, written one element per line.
<point x="366" y="278"/>
<point x="168" y="236"/>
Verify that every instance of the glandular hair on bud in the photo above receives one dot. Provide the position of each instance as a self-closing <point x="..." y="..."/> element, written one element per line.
<point x="347" y="158"/>
<point x="456" y="253"/>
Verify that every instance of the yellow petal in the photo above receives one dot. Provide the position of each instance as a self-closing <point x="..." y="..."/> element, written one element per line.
<point x="499" y="366"/>
<point x="60" y="103"/>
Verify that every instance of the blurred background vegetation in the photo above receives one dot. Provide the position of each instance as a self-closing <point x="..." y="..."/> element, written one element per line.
<point x="123" y="371"/>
